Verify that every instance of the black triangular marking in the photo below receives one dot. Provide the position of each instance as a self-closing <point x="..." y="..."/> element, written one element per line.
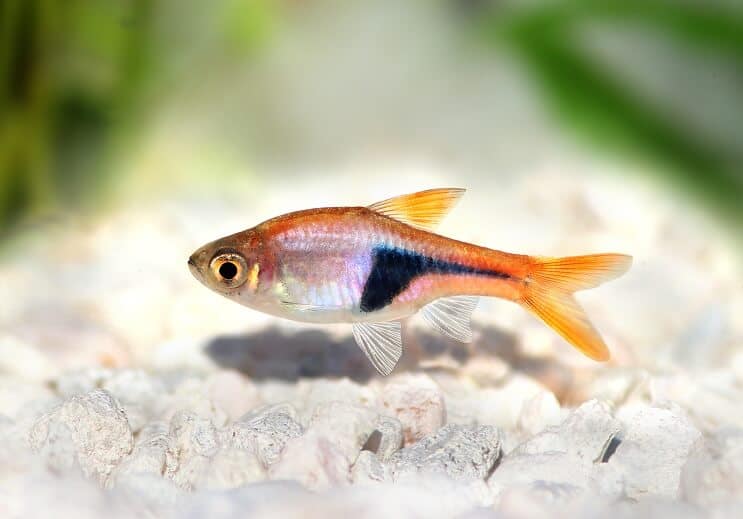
<point x="394" y="269"/>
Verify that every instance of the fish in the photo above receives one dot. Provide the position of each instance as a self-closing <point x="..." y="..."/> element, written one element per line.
<point x="373" y="266"/>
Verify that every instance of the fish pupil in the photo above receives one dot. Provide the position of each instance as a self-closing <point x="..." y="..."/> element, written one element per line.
<point x="228" y="270"/>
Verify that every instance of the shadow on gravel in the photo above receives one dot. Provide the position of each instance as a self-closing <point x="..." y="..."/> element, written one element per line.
<point x="273" y="353"/>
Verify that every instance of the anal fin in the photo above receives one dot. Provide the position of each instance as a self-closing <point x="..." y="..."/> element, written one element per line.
<point x="381" y="342"/>
<point x="451" y="316"/>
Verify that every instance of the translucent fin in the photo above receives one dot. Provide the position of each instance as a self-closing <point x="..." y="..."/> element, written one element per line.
<point x="549" y="295"/>
<point x="451" y="316"/>
<point x="424" y="209"/>
<point x="304" y="307"/>
<point x="381" y="342"/>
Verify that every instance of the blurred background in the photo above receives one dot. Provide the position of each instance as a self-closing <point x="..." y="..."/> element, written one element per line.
<point x="132" y="132"/>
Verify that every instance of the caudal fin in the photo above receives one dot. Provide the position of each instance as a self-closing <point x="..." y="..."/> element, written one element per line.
<point x="549" y="295"/>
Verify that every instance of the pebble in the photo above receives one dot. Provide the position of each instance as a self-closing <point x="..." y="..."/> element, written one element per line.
<point x="230" y="468"/>
<point x="348" y="425"/>
<point x="193" y="442"/>
<point x="387" y="437"/>
<point x="564" y="454"/>
<point x="713" y="474"/>
<point x="138" y="394"/>
<point x="458" y="451"/>
<point x="368" y="469"/>
<point x="193" y="394"/>
<point x="81" y="381"/>
<point x="315" y="461"/>
<point x="89" y="430"/>
<point x="151" y="455"/>
<point x="266" y="431"/>
<point x="417" y="402"/>
<point x="232" y="392"/>
<point x="538" y="412"/>
<point x="322" y="391"/>
<point x="653" y="450"/>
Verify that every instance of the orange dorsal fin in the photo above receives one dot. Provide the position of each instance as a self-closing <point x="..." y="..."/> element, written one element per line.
<point x="549" y="295"/>
<point x="424" y="209"/>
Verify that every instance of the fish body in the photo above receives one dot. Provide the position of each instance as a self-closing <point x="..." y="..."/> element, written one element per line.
<point x="372" y="266"/>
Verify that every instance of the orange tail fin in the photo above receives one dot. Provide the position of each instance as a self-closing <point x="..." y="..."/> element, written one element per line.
<point x="549" y="295"/>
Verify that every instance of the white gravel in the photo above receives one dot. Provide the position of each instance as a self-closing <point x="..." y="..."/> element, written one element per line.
<point x="128" y="390"/>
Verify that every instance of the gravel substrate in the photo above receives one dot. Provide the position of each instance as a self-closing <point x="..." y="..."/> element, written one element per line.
<point x="128" y="390"/>
<point x="121" y="442"/>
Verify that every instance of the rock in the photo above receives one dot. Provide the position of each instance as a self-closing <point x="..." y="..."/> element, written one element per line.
<point x="503" y="406"/>
<point x="90" y="430"/>
<point x="585" y="434"/>
<point x="313" y="460"/>
<point x="567" y="454"/>
<point x="81" y="381"/>
<point x="55" y="442"/>
<point x="460" y="452"/>
<point x="368" y="469"/>
<point x="461" y="397"/>
<point x="418" y="402"/>
<point x="266" y="431"/>
<point x="194" y="441"/>
<point x="190" y="472"/>
<point x="322" y="391"/>
<point x="713" y="474"/>
<point x="232" y="392"/>
<point x="137" y="392"/>
<point x="193" y="434"/>
<point x="348" y="426"/>
<point x="540" y="411"/>
<point x="232" y="468"/>
<point x="386" y="439"/>
<point x="151" y="454"/>
<point x="274" y="391"/>
<point x="553" y="468"/>
<point x="193" y="394"/>
<point x="653" y="450"/>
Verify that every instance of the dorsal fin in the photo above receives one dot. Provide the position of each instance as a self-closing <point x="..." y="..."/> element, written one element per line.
<point x="424" y="209"/>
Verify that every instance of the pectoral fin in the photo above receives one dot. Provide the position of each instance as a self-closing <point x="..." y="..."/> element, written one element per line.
<point x="381" y="342"/>
<point x="451" y="316"/>
<point x="424" y="209"/>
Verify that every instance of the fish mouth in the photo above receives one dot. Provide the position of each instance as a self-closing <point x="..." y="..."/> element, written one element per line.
<point x="193" y="266"/>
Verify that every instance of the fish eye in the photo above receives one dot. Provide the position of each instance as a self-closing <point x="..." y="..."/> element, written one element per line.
<point x="229" y="269"/>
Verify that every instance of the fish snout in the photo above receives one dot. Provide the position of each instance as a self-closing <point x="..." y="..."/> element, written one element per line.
<point x="196" y="262"/>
